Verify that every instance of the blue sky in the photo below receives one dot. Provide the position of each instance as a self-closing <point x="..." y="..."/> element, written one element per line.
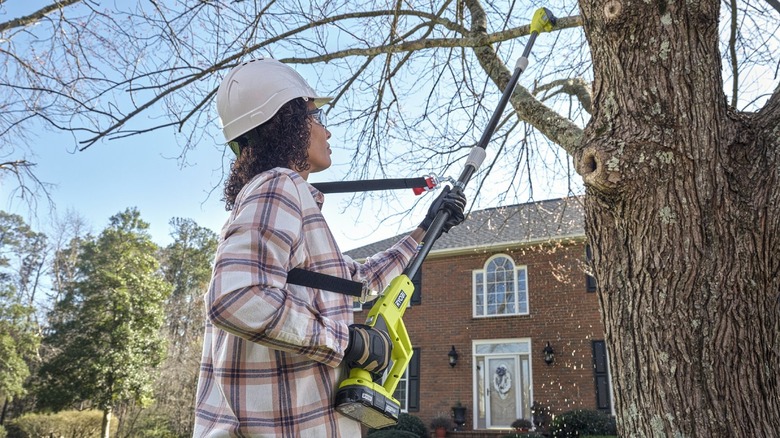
<point x="143" y="172"/>
<point x="111" y="176"/>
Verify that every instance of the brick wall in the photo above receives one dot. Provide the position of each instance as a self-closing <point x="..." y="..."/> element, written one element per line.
<point x="561" y="312"/>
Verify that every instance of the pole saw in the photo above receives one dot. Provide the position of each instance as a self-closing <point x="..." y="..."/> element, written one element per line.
<point x="359" y="396"/>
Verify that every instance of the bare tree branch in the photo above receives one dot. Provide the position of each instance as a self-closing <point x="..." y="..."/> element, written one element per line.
<point x="770" y="112"/>
<point x="37" y="15"/>
<point x="413" y="83"/>
<point x="28" y="186"/>
<point x="555" y="127"/>
<point x="733" y="52"/>
<point x="576" y="87"/>
<point x="775" y="4"/>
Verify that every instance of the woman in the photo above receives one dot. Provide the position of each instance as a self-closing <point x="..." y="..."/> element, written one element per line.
<point x="274" y="353"/>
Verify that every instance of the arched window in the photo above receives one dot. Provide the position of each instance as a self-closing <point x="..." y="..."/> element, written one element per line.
<point x="501" y="288"/>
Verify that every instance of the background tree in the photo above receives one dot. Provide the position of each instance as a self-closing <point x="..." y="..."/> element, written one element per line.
<point x="22" y="255"/>
<point x="69" y="234"/>
<point x="109" y="345"/>
<point x="681" y="171"/>
<point x="186" y="264"/>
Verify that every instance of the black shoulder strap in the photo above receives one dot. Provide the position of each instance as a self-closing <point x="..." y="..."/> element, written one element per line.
<point x="303" y="277"/>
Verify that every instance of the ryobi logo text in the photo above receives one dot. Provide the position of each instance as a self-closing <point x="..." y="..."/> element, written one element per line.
<point x="400" y="300"/>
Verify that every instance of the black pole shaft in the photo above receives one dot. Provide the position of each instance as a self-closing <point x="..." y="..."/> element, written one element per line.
<point x="443" y="215"/>
<point x="531" y="41"/>
<point x="370" y="185"/>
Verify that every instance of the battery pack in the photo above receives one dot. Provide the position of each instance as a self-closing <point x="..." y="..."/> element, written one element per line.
<point x="367" y="406"/>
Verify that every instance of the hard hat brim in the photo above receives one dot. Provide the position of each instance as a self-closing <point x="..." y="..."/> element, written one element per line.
<point x="252" y="93"/>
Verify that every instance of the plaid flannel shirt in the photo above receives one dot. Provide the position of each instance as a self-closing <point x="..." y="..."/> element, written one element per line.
<point x="271" y="350"/>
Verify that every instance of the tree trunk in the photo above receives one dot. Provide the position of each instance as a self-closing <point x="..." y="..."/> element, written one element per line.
<point x="106" y="426"/>
<point x="683" y="215"/>
<point x="5" y="409"/>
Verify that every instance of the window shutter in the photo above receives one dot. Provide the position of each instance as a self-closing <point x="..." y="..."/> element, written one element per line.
<point x="590" y="281"/>
<point x="413" y="377"/>
<point x="601" y="375"/>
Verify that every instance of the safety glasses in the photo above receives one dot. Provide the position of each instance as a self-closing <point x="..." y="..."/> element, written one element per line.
<point x="319" y="116"/>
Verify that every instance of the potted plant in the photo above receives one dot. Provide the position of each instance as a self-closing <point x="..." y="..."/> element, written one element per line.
<point x="522" y="425"/>
<point x="441" y="424"/>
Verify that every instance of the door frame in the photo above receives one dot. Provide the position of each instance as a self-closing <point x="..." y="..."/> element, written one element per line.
<point x="520" y="347"/>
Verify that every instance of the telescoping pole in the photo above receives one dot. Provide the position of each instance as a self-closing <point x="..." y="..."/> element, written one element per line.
<point x="543" y="21"/>
<point x="359" y="396"/>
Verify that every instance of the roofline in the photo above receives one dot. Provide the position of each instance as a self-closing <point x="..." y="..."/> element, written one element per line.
<point x="466" y="250"/>
<point x="495" y="246"/>
<point x="520" y="204"/>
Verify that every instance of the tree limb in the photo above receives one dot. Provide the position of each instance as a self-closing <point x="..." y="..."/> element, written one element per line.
<point x="471" y="40"/>
<point x="37" y="15"/>
<point x="733" y="54"/>
<point x="775" y="4"/>
<point x="769" y="115"/>
<point x="576" y="87"/>
<point x="22" y="171"/>
<point x="557" y="128"/>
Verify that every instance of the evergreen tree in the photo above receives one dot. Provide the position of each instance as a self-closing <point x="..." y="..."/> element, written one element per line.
<point x="186" y="264"/>
<point x="22" y="252"/>
<point x="106" y="335"/>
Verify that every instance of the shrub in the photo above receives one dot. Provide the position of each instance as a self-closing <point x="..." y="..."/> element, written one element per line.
<point x="582" y="422"/>
<point x="73" y="424"/>
<point x="11" y="431"/>
<point x="151" y="424"/>
<point x="406" y="423"/>
<point x="522" y="423"/>
<point x="541" y="416"/>
<point x="413" y="424"/>
<point x="3" y="433"/>
<point x="442" y="420"/>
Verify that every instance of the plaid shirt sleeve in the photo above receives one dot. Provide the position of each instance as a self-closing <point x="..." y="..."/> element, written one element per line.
<point x="248" y="297"/>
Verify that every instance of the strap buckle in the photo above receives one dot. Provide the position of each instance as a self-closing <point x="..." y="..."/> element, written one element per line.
<point x="367" y="294"/>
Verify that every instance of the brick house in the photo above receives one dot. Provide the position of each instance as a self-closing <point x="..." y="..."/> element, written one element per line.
<point x="496" y="290"/>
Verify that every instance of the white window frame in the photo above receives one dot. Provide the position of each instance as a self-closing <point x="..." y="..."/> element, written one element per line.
<point x="403" y="382"/>
<point x="521" y="300"/>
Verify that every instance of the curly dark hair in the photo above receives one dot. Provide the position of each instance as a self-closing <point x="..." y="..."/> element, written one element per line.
<point x="282" y="141"/>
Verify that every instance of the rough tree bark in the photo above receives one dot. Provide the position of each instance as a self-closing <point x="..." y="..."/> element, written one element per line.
<point x="683" y="213"/>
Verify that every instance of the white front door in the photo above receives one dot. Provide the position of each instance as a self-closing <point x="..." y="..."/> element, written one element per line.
<point x="503" y="391"/>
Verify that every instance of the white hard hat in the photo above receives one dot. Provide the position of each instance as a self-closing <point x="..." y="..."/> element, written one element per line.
<point x="254" y="91"/>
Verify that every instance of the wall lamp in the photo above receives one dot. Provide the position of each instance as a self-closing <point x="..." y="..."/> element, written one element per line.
<point x="549" y="354"/>
<point x="453" y="356"/>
